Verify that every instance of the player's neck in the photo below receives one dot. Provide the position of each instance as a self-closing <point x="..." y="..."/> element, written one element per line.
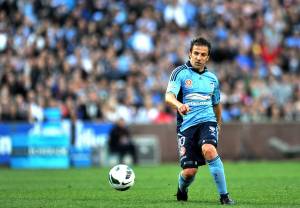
<point x="200" y="70"/>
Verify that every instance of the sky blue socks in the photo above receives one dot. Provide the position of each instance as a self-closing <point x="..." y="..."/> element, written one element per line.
<point x="217" y="171"/>
<point x="184" y="183"/>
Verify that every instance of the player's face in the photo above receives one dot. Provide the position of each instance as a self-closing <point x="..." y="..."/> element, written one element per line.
<point x="199" y="56"/>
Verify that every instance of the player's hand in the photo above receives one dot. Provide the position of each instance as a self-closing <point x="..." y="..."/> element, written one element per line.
<point x="183" y="109"/>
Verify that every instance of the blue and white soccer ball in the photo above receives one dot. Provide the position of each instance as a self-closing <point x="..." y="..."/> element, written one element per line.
<point x="121" y="177"/>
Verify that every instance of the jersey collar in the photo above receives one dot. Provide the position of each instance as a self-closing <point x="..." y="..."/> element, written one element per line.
<point x="189" y="65"/>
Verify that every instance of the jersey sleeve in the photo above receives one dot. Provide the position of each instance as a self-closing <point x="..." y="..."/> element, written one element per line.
<point x="216" y="93"/>
<point x="174" y="83"/>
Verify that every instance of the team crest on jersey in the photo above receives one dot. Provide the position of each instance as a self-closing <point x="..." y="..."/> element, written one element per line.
<point x="188" y="83"/>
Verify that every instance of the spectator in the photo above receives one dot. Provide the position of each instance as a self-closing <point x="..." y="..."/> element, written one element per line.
<point x="109" y="46"/>
<point x="120" y="142"/>
<point x="164" y="116"/>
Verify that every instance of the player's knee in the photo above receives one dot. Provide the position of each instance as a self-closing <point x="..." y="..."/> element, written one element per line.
<point x="209" y="151"/>
<point x="189" y="172"/>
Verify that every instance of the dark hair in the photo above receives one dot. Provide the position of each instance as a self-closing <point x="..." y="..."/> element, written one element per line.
<point x="199" y="41"/>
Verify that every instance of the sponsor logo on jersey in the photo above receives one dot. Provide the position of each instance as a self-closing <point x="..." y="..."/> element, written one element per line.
<point x="198" y="103"/>
<point x="188" y="83"/>
<point x="197" y="96"/>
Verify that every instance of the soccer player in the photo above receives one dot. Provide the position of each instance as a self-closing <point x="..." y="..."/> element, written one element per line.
<point x="194" y="92"/>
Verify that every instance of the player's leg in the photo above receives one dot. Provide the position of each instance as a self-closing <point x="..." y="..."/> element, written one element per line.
<point x="188" y="164"/>
<point x="186" y="177"/>
<point x="215" y="164"/>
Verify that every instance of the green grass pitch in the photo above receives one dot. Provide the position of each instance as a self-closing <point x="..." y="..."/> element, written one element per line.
<point x="251" y="184"/>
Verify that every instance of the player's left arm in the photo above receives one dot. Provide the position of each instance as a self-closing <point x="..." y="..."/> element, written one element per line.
<point x="218" y="113"/>
<point x="217" y="106"/>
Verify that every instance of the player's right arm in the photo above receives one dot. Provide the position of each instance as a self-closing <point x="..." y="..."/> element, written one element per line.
<point x="171" y="100"/>
<point x="173" y="89"/>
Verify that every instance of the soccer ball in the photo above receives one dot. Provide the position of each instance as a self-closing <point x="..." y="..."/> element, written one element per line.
<point x="121" y="177"/>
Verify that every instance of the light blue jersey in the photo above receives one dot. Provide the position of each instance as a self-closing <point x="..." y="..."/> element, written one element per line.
<point x="199" y="90"/>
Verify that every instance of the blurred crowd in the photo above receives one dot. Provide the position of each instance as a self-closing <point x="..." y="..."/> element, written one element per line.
<point x="98" y="60"/>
